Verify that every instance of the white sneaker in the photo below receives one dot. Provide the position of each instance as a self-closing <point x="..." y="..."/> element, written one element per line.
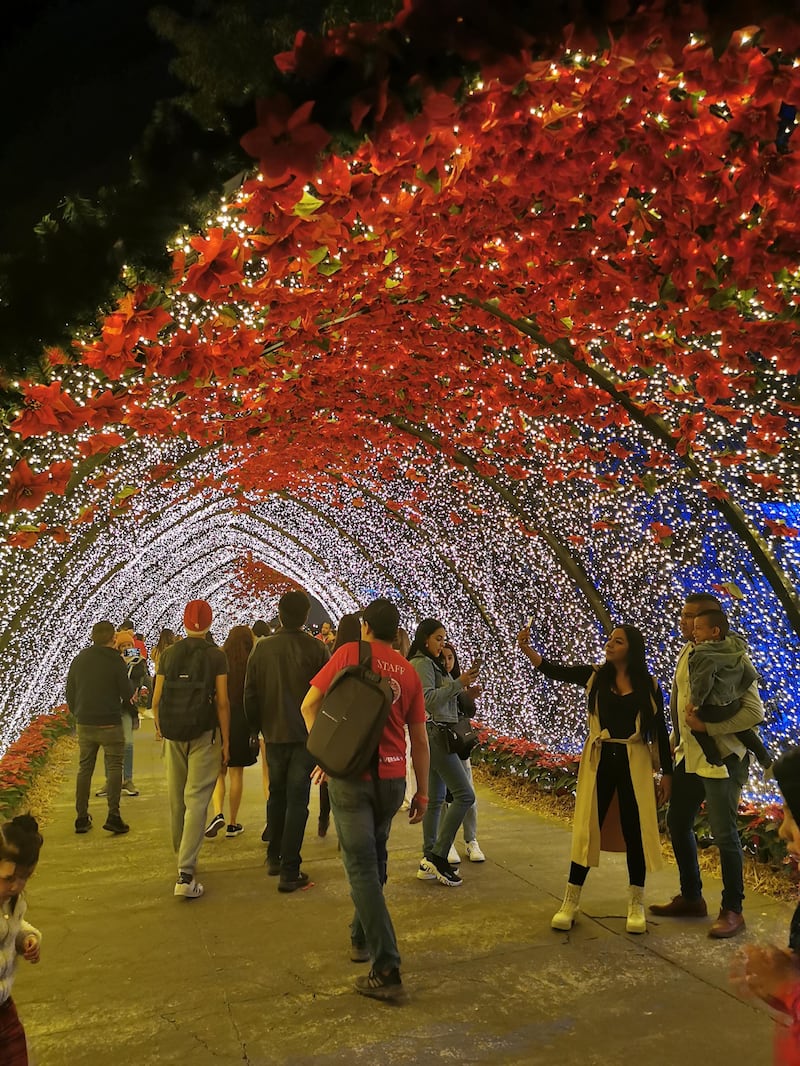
<point x="474" y="853"/>
<point x="188" y="889"/>
<point x="452" y="856"/>
<point x="424" y="873"/>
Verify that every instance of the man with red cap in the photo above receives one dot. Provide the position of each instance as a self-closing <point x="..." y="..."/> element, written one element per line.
<point x="192" y="714"/>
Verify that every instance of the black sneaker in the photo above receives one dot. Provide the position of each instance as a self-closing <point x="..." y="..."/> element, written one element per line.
<point x="114" y="824"/>
<point x="441" y="870"/>
<point x="381" y="985"/>
<point x="292" y="884"/>
<point x="83" y="823"/>
<point x="214" y="826"/>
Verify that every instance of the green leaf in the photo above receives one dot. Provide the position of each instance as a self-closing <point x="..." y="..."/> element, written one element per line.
<point x="317" y="255"/>
<point x="391" y="283"/>
<point x="330" y="267"/>
<point x="567" y="323"/>
<point x="390" y="257"/>
<point x="307" y="205"/>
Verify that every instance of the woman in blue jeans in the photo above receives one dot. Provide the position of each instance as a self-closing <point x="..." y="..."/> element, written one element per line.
<point x="447" y="771"/>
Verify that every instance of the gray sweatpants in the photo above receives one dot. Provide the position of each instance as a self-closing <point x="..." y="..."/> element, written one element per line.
<point x="192" y="769"/>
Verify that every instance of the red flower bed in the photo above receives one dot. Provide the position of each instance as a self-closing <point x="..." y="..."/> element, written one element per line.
<point x="26" y="755"/>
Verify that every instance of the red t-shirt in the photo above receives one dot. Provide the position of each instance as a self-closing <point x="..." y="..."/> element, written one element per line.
<point x="408" y="706"/>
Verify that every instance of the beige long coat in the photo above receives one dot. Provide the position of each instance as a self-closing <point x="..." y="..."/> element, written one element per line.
<point x="586" y="826"/>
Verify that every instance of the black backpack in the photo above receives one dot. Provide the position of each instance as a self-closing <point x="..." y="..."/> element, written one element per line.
<point x="187" y="709"/>
<point x="347" y="731"/>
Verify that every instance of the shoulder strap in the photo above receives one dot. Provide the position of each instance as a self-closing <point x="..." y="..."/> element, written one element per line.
<point x="364" y="653"/>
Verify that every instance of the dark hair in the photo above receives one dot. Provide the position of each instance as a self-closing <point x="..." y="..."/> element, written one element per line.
<point x="261" y="628"/>
<point x="20" y="840"/>
<point x="237" y="649"/>
<point x="787" y="774"/>
<point x="383" y="618"/>
<point x="293" y="608"/>
<point x="419" y="645"/>
<point x="716" y="618"/>
<point x="103" y="633"/>
<point x="456" y="671"/>
<point x="127" y="624"/>
<point x="703" y="597"/>
<point x="641" y="681"/>
<point x="348" y="631"/>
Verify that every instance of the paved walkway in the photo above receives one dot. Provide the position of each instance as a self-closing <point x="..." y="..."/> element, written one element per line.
<point x="132" y="976"/>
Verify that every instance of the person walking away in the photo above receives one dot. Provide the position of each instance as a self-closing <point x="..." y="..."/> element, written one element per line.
<point x="447" y="771"/>
<point x="98" y="694"/>
<point x="626" y="723"/>
<point x="695" y="781"/>
<point x="279" y="672"/>
<point x="138" y="678"/>
<point x="20" y="844"/>
<point x="363" y="807"/>
<point x="237" y="649"/>
<point x="192" y="714"/>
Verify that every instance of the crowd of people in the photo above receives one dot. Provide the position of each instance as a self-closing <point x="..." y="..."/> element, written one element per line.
<point x="217" y="708"/>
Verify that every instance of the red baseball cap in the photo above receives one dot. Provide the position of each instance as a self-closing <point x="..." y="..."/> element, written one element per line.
<point x="197" y="616"/>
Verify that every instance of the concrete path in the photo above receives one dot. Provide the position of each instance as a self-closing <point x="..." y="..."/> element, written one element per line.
<point x="132" y="976"/>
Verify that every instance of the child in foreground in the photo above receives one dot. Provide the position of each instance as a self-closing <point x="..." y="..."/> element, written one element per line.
<point x="20" y="843"/>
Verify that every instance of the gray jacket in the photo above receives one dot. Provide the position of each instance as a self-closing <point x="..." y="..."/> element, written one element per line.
<point x="440" y="691"/>
<point x="720" y="671"/>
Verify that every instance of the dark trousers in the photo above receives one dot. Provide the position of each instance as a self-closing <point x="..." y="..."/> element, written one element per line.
<point x="91" y="738"/>
<point x="290" y="768"/>
<point x="614" y="775"/>
<point x="721" y="797"/>
<point x="13" y="1045"/>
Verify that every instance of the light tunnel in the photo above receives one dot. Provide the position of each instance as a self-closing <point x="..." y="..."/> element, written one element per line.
<point x="501" y="352"/>
<point x="463" y="554"/>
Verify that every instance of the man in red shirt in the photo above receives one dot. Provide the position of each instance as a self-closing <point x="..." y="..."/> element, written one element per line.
<point x="364" y="818"/>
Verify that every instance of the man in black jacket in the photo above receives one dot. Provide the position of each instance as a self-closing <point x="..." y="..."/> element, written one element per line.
<point x="279" y="672"/>
<point x="97" y="692"/>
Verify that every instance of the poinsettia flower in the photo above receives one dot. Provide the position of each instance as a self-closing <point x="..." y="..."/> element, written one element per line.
<point x="779" y="528"/>
<point x="100" y="442"/>
<point x="26" y="490"/>
<point x="662" y="533"/>
<point x="219" y="263"/>
<point x="46" y="408"/>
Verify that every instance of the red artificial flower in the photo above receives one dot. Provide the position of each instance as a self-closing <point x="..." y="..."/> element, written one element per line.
<point x="46" y="408"/>
<point x="26" y="490"/>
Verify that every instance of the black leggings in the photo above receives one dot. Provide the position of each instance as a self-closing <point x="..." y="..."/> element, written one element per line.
<point x="614" y="775"/>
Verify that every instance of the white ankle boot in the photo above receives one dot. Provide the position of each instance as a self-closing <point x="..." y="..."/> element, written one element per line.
<point x="636" y="922"/>
<point x="568" y="911"/>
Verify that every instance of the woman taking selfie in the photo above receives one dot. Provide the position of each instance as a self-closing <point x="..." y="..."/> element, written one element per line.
<point x="626" y="726"/>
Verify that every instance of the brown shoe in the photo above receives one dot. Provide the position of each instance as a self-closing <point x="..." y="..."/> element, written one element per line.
<point x="728" y="924"/>
<point x="680" y="907"/>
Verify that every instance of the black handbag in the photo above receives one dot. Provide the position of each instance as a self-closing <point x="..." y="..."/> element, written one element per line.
<point x="461" y="737"/>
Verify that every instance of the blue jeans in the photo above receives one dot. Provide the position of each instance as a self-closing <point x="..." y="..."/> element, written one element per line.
<point x="127" y="760"/>
<point x="721" y="797"/>
<point x="363" y="829"/>
<point x="447" y="771"/>
<point x="290" y="768"/>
